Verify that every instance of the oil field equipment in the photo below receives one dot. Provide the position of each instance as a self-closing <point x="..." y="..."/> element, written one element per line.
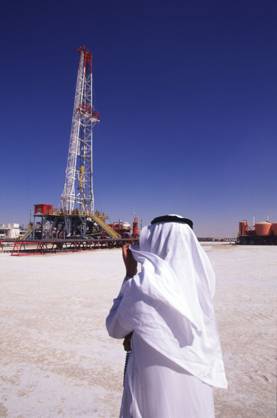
<point x="78" y="185"/>
<point x="262" y="233"/>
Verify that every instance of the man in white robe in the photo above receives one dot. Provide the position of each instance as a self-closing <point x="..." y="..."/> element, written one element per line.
<point x="166" y="311"/>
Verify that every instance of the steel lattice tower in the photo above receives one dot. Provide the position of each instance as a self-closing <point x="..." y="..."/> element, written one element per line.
<point x="78" y="187"/>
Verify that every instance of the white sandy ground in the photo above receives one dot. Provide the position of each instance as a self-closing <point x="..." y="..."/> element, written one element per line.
<point x="56" y="359"/>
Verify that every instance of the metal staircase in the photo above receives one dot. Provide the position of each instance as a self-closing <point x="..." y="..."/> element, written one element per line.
<point x="107" y="228"/>
<point x="28" y="234"/>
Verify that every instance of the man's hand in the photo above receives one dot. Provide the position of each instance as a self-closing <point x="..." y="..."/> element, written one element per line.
<point x="129" y="261"/>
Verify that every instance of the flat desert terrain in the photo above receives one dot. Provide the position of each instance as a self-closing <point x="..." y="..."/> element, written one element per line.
<point x="56" y="359"/>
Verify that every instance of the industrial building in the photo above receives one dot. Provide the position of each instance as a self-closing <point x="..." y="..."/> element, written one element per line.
<point x="10" y="230"/>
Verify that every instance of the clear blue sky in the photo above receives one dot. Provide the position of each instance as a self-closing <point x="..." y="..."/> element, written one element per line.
<point x="187" y="93"/>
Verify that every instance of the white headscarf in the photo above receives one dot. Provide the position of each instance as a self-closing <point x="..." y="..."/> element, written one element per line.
<point x="171" y="300"/>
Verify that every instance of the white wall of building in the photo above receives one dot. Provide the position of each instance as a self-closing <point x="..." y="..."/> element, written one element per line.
<point x="9" y="230"/>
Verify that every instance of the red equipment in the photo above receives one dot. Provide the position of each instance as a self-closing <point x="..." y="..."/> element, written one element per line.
<point x="43" y="209"/>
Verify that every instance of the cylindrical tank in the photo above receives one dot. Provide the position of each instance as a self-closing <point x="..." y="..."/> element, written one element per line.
<point x="243" y="228"/>
<point x="43" y="209"/>
<point x="121" y="226"/>
<point x="274" y="228"/>
<point x="126" y="226"/>
<point x="262" y="228"/>
<point x="135" y="233"/>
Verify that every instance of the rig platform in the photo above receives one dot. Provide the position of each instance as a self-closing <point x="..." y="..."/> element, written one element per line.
<point x="40" y="247"/>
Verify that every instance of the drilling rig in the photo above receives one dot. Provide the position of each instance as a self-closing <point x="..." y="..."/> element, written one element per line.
<point x="77" y="216"/>
<point x="75" y="225"/>
<point x="78" y="186"/>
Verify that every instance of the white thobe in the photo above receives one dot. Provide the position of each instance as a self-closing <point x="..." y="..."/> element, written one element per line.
<point x="154" y="386"/>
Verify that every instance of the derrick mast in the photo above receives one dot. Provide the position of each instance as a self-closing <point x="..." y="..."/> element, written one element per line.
<point x="77" y="194"/>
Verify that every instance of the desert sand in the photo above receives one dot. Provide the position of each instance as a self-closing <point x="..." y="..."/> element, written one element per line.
<point x="56" y="359"/>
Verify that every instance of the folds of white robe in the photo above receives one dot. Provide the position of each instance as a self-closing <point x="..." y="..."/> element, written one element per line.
<point x="167" y="331"/>
<point x="176" y="353"/>
<point x="154" y="386"/>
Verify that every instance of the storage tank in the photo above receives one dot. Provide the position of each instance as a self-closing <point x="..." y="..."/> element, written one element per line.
<point x="274" y="228"/>
<point x="262" y="228"/>
<point x="13" y="233"/>
<point x="243" y="228"/>
<point x="43" y="209"/>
